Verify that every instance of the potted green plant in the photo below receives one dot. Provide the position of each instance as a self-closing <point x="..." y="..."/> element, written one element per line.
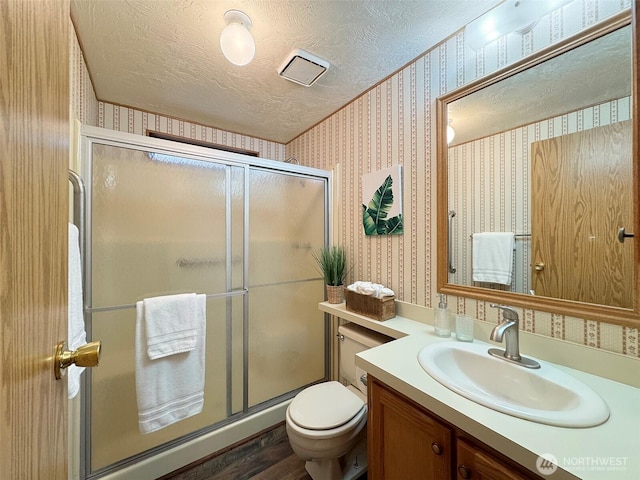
<point x="332" y="261"/>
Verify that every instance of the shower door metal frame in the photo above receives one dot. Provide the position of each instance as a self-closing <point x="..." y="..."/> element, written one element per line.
<point x="95" y="135"/>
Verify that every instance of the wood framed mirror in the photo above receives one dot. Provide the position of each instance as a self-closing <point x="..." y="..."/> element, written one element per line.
<point x="546" y="150"/>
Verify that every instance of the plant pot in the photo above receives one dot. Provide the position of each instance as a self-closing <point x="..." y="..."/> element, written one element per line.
<point x="335" y="294"/>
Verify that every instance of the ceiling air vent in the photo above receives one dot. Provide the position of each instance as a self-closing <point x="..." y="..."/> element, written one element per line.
<point x="303" y="68"/>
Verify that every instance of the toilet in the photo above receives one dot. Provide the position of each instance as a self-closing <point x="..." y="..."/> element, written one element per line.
<point x="326" y="422"/>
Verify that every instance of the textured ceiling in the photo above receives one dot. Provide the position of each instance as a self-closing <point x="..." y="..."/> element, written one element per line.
<point x="594" y="73"/>
<point x="163" y="56"/>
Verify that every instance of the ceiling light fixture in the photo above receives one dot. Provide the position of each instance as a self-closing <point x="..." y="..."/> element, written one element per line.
<point x="451" y="133"/>
<point x="511" y="16"/>
<point x="236" y="42"/>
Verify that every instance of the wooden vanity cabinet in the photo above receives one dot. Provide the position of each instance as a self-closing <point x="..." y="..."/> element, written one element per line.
<point x="472" y="462"/>
<point x="404" y="442"/>
<point x="407" y="442"/>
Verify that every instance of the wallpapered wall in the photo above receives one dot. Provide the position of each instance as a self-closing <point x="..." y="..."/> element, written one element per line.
<point x="505" y="206"/>
<point x="392" y="124"/>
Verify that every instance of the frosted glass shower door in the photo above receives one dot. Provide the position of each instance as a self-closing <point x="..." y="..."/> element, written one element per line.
<point x="287" y="221"/>
<point x="166" y="219"/>
<point x="161" y="225"/>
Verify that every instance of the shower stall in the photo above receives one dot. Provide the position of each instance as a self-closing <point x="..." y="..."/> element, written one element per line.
<point x="165" y="218"/>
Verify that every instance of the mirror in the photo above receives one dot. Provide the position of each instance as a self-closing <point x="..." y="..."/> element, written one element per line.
<point x="546" y="152"/>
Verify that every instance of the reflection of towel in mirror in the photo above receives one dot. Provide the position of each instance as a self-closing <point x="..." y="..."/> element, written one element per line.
<point x="493" y="257"/>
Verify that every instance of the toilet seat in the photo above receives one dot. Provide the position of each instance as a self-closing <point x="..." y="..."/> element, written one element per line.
<point x="325" y="406"/>
<point x="349" y="429"/>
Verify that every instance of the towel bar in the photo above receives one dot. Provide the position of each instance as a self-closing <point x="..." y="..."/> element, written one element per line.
<point x="517" y="235"/>
<point x="78" y="206"/>
<point x="234" y="293"/>
<point x="452" y="269"/>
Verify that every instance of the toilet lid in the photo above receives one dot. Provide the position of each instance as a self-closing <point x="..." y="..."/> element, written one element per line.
<point x="324" y="406"/>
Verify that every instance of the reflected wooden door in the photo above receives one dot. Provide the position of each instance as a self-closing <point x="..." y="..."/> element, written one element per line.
<point x="581" y="194"/>
<point x="34" y="137"/>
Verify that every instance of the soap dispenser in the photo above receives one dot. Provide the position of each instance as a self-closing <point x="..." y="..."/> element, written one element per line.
<point x="442" y="321"/>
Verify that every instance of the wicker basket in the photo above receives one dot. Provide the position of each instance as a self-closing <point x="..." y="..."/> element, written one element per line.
<point x="335" y="294"/>
<point x="377" y="308"/>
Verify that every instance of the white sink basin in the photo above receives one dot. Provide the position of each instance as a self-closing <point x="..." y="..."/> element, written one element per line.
<point x="546" y="395"/>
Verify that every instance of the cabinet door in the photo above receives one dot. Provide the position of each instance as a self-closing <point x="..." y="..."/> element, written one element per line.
<point x="404" y="443"/>
<point x="477" y="464"/>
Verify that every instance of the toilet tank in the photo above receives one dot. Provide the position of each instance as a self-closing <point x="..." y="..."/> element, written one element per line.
<point x="355" y="338"/>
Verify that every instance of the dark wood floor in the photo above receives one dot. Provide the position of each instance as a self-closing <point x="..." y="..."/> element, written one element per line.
<point x="267" y="456"/>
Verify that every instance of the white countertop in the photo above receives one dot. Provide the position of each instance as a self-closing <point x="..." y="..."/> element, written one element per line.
<point x="610" y="451"/>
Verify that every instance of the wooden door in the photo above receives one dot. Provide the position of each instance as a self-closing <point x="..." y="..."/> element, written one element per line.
<point x="581" y="194"/>
<point x="34" y="136"/>
<point x="474" y="463"/>
<point x="404" y="443"/>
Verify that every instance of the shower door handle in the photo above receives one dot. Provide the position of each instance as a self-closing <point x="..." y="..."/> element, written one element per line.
<point x="86" y="356"/>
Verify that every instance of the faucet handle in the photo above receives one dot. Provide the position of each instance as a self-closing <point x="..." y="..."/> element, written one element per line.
<point x="508" y="313"/>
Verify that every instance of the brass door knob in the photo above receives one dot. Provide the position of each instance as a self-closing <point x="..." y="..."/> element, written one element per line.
<point x="539" y="267"/>
<point x="86" y="356"/>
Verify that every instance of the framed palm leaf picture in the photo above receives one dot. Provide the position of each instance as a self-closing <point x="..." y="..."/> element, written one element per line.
<point x="382" y="202"/>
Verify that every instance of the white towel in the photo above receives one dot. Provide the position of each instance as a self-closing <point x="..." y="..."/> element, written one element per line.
<point x="170" y="324"/>
<point x="170" y="388"/>
<point x="76" y="335"/>
<point x="369" y="288"/>
<point x="493" y="257"/>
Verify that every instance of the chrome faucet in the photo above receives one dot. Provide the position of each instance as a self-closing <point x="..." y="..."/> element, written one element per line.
<point x="508" y="329"/>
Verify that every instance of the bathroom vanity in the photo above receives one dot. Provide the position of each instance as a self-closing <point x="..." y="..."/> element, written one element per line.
<point x="418" y="428"/>
<point x="408" y="441"/>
